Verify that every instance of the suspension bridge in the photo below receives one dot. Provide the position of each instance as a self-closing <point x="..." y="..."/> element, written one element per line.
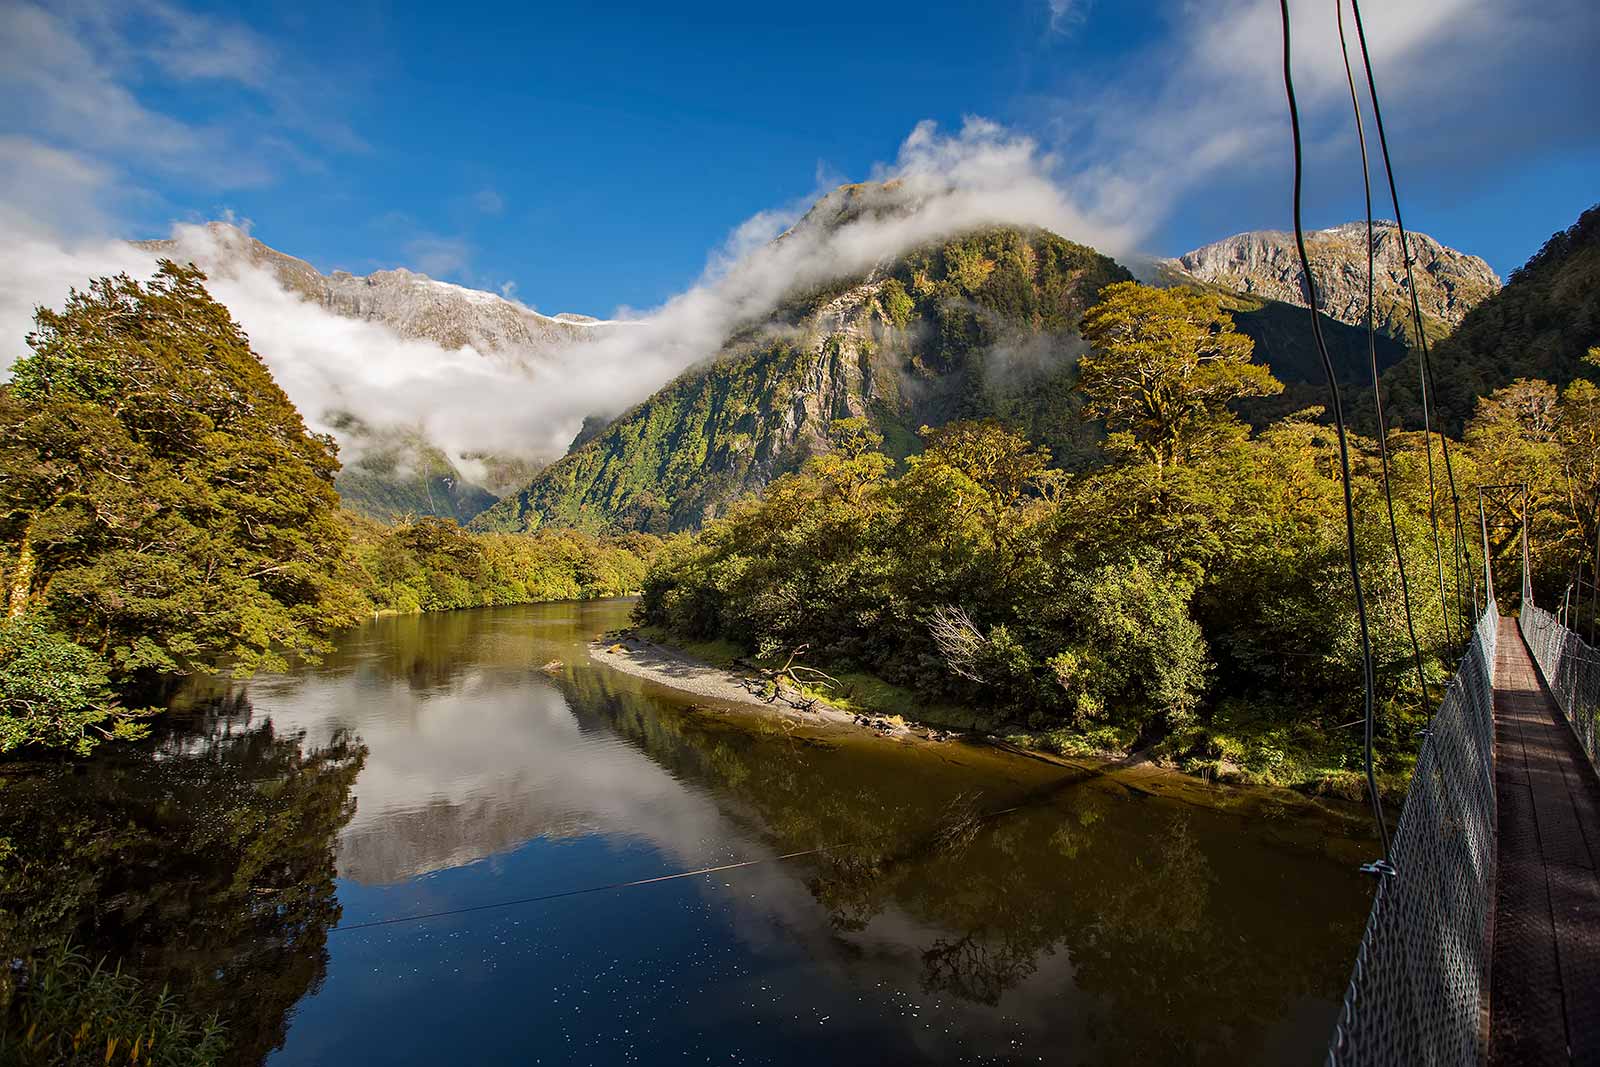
<point x="1483" y="944"/>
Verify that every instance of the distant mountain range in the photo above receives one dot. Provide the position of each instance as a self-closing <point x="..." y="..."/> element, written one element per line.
<point x="982" y="324"/>
<point x="411" y="304"/>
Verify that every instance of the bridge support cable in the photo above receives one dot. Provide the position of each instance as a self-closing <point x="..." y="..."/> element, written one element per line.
<point x="1419" y="986"/>
<point x="1377" y="385"/>
<point x="1384" y="866"/>
<point x="1508" y="503"/>
<point x="1571" y="668"/>
<point x="1428" y="390"/>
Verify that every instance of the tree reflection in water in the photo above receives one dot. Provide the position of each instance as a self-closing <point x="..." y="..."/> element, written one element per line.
<point x="203" y="863"/>
<point x="1155" y="950"/>
<point x="1022" y="907"/>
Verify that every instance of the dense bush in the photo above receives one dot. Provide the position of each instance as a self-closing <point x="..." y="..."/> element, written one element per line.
<point x="55" y="693"/>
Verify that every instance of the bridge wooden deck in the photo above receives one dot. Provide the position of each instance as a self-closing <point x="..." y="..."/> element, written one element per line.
<point x="1544" y="1001"/>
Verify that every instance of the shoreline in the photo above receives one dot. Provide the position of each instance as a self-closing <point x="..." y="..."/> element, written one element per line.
<point x="629" y="652"/>
<point x="676" y="669"/>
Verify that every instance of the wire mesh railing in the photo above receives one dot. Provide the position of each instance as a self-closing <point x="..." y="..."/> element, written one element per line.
<point x="1418" y="983"/>
<point x="1571" y="669"/>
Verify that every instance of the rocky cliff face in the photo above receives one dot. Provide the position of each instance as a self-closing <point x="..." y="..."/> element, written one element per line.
<point x="1265" y="263"/>
<point x="982" y="325"/>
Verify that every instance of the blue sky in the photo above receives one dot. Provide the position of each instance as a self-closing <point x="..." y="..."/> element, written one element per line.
<point x="587" y="158"/>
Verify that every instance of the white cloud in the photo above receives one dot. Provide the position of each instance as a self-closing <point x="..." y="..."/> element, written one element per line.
<point x="78" y="77"/>
<point x="193" y="46"/>
<point x="64" y="86"/>
<point x="1199" y="117"/>
<point x="489" y="202"/>
<point x="47" y="190"/>
<point x="943" y="184"/>
<point x="467" y="402"/>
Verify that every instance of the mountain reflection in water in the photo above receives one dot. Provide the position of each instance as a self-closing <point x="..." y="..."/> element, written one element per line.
<point x="1100" y="921"/>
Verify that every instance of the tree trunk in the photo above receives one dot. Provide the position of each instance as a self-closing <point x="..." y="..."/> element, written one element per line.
<point x="22" y="578"/>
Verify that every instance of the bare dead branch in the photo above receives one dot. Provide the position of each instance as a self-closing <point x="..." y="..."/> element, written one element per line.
<point x="958" y="640"/>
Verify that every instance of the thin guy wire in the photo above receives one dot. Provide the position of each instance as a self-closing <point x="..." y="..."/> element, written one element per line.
<point x="1377" y="387"/>
<point x="420" y="916"/>
<point x="1428" y="386"/>
<point x="1338" y="419"/>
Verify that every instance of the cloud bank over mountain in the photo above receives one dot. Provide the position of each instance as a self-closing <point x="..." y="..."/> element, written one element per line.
<point x="1115" y="153"/>
<point x="467" y="403"/>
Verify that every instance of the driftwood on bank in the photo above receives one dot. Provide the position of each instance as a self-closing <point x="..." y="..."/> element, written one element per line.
<point x="790" y="682"/>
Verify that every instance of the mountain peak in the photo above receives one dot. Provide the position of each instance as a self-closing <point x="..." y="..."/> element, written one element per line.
<point x="1265" y="263"/>
<point x="407" y="301"/>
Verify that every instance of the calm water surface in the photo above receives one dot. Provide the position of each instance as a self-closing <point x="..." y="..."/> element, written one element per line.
<point x="339" y="861"/>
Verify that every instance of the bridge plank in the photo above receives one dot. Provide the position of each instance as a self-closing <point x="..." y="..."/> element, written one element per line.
<point x="1545" y="977"/>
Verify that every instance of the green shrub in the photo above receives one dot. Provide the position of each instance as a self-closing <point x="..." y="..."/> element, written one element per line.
<point x="68" y="1012"/>
<point x="55" y="693"/>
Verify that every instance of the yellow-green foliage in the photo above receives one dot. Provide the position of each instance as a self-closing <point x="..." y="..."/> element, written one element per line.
<point x="161" y="500"/>
<point x="431" y="564"/>
<point x="1189" y="590"/>
<point x="726" y="428"/>
<point x="897" y="303"/>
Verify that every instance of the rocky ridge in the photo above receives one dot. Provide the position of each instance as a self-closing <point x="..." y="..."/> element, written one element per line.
<point x="413" y="305"/>
<point x="1265" y="263"/>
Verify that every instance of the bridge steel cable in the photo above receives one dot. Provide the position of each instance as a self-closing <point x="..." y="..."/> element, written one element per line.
<point x="1383" y="865"/>
<point x="1377" y="386"/>
<point x="1429" y="389"/>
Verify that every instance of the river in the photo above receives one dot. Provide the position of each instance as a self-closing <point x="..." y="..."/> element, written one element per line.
<point x="402" y="856"/>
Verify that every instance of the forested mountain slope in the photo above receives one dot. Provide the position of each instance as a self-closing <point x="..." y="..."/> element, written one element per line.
<point x="1541" y="325"/>
<point x="980" y="325"/>
<point x="396" y="473"/>
<point x="1282" y="336"/>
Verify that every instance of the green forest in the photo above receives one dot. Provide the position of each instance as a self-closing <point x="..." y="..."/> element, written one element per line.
<point x="165" y="512"/>
<point x="1139" y="548"/>
<point x="1186" y="594"/>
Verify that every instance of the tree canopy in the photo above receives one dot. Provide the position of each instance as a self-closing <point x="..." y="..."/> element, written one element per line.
<point x="161" y="501"/>
<point x="1164" y="365"/>
<point x="1187" y="591"/>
